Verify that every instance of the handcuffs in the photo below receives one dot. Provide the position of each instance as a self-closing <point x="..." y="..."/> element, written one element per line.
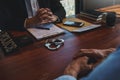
<point x="54" y="44"/>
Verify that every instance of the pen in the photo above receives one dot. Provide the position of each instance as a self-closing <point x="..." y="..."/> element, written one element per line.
<point x="42" y="28"/>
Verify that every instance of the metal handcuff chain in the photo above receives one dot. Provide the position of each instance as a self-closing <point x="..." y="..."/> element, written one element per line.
<point x="54" y="42"/>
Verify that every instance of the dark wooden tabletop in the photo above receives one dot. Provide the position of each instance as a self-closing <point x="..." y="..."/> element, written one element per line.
<point x="36" y="62"/>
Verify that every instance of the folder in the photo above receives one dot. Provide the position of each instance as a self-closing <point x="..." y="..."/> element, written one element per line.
<point x="87" y="25"/>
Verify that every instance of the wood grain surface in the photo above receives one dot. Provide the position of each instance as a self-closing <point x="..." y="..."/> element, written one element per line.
<point x="36" y="62"/>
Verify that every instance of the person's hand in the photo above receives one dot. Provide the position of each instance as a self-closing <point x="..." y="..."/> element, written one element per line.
<point x="96" y="56"/>
<point x="98" y="53"/>
<point x="43" y="15"/>
<point x="77" y="66"/>
<point x="86" y="60"/>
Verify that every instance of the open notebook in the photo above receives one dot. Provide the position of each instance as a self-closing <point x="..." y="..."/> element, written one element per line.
<point x="43" y="33"/>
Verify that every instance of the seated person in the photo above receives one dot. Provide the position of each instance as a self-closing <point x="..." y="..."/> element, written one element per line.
<point x="18" y="14"/>
<point x="108" y="69"/>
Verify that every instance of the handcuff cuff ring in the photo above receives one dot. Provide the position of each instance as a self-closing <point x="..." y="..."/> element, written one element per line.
<point x="54" y="42"/>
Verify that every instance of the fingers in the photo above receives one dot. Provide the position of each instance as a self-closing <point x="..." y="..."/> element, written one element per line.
<point x="45" y="15"/>
<point x="92" y="53"/>
<point x="89" y="53"/>
<point x="43" y="11"/>
<point x="76" y="66"/>
<point x="95" y="53"/>
<point x="106" y="52"/>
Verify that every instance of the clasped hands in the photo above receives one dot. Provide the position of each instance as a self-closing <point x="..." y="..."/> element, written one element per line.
<point x="43" y="15"/>
<point x="86" y="60"/>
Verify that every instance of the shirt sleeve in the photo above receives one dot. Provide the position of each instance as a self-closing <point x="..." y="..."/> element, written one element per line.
<point x="66" y="77"/>
<point x="58" y="9"/>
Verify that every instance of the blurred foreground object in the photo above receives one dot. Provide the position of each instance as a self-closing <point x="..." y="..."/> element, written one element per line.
<point x="86" y="60"/>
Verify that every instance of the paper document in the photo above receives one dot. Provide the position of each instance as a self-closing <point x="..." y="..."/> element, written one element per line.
<point x="43" y="33"/>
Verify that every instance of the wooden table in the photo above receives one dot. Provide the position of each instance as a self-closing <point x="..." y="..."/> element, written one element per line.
<point x="113" y="8"/>
<point x="35" y="62"/>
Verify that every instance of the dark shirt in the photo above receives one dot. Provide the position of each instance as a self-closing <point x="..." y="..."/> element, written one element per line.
<point x="13" y="12"/>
